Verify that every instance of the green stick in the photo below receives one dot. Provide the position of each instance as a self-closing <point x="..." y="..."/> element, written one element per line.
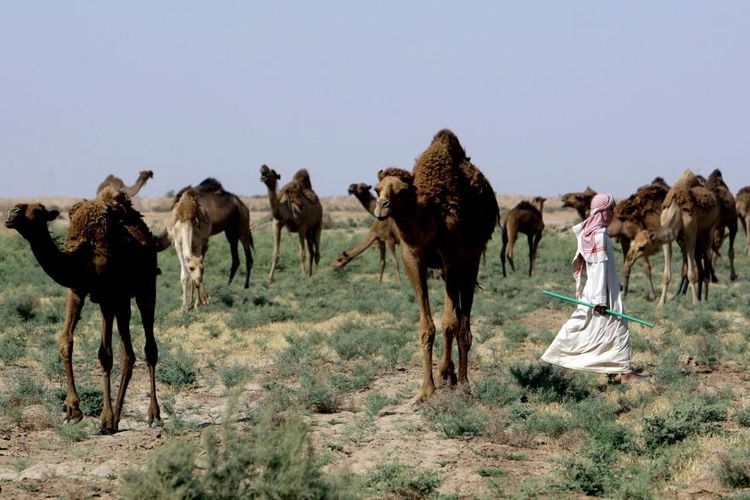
<point x="608" y="311"/>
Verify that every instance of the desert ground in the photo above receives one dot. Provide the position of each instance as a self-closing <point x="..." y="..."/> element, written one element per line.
<point x="306" y="387"/>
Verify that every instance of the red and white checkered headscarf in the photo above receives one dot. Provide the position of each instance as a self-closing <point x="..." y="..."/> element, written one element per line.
<point x="590" y="238"/>
<point x="600" y="217"/>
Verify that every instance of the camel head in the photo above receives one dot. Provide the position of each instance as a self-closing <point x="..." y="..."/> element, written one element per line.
<point x="580" y="201"/>
<point x="194" y="266"/>
<point x="342" y="260"/>
<point x="26" y="218"/>
<point x="538" y="202"/>
<point x="146" y="174"/>
<point x="358" y="189"/>
<point x="396" y="192"/>
<point x="268" y="176"/>
<point x="643" y="245"/>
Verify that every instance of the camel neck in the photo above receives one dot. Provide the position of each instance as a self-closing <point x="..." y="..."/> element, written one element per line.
<point x="273" y="200"/>
<point x="368" y="201"/>
<point x="59" y="265"/>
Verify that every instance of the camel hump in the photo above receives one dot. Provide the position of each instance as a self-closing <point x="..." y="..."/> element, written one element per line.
<point x="526" y="205"/>
<point x="303" y="177"/>
<point x="209" y="185"/>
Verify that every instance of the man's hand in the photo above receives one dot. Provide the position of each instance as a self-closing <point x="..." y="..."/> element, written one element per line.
<point x="600" y="308"/>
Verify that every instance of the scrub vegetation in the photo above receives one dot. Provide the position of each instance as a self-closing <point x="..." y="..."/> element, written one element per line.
<point x="305" y="388"/>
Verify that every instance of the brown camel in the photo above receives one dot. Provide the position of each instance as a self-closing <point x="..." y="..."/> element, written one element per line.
<point x="581" y="202"/>
<point x="727" y="225"/>
<point x="382" y="232"/>
<point x="296" y="207"/>
<point x="445" y="212"/>
<point x="109" y="255"/>
<point x="743" y="213"/>
<point x="524" y="218"/>
<point x="190" y="229"/>
<point x="208" y="204"/>
<point x="642" y="210"/>
<point x="116" y="183"/>
<point x="689" y="216"/>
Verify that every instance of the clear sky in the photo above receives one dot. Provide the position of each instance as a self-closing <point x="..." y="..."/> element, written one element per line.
<point x="546" y="96"/>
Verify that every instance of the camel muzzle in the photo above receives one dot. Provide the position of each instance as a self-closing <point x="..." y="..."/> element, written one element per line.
<point x="382" y="209"/>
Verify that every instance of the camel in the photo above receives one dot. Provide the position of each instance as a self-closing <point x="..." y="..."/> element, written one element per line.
<point x="380" y="233"/>
<point x="581" y="202"/>
<point x="445" y="212"/>
<point x="116" y="183"/>
<point x="727" y="225"/>
<point x="690" y="214"/>
<point x="743" y="213"/>
<point x="642" y="210"/>
<point x="524" y="218"/>
<point x="384" y="233"/>
<point x="296" y="207"/>
<point x="109" y="255"/>
<point x="190" y="229"/>
<point x="206" y="210"/>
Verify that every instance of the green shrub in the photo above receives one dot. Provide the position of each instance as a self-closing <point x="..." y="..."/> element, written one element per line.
<point x="75" y="432"/>
<point x="234" y="374"/>
<point x="319" y="396"/>
<point x="703" y="322"/>
<point x="681" y="422"/>
<point x="394" y="479"/>
<point x="455" y="416"/>
<point x="743" y="416"/>
<point x="12" y="345"/>
<point x="375" y="401"/>
<point x="355" y="339"/>
<point x="492" y="390"/>
<point x="551" y="424"/>
<point x="734" y="468"/>
<point x="516" y="334"/>
<point x="265" y="462"/>
<point x="177" y="368"/>
<point x="550" y="383"/>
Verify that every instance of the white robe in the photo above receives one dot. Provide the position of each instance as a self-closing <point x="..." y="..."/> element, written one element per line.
<point x="589" y="341"/>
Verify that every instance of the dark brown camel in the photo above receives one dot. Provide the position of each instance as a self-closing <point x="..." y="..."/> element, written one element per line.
<point x="581" y="202"/>
<point x="445" y="212"/>
<point x="225" y="213"/>
<point x="296" y="207"/>
<point x="641" y="210"/>
<point x="727" y="225"/>
<point x="109" y="255"/>
<point x="743" y="213"/>
<point x="116" y="183"/>
<point x="524" y="218"/>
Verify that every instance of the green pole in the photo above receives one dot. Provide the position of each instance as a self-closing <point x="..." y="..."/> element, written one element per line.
<point x="608" y="311"/>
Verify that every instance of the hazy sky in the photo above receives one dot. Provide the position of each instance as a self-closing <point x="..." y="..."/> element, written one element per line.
<point x="546" y="96"/>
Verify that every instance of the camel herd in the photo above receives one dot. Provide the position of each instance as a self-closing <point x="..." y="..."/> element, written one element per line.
<point x="442" y="214"/>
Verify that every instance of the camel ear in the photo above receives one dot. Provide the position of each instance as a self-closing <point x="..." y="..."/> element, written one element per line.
<point x="52" y="215"/>
<point x="369" y="187"/>
<point x="278" y="176"/>
<point x="380" y="175"/>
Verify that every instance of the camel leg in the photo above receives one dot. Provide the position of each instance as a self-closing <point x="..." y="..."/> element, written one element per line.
<point x="692" y="275"/>
<point x="185" y="282"/>
<point x="276" y="245"/>
<point x="512" y="235"/>
<point x="666" y="276"/>
<point x="503" y="249"/>
<point x="105" y="359"/>
<point x="73" y="305"/>
<point x="745" y="226"/>
<point x="533" y="242"/>
<point x="381" y="247"/>
<point x="466" y="300"/>
<point x="301" y="253"/>
<point x="417" y="273"/>
<point x="310" y="238"/>
<point x="392" y="250"/>
<point x="316" y="241"/>
<point x="146" y="302"/>
<point x="647" y="272"/>
<point x="127" y="357"/>
<point x="730" y="252"/>
<point x="245" y="240"/>
<point x="446" y="368"/>
<point x="233" y="239"/>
